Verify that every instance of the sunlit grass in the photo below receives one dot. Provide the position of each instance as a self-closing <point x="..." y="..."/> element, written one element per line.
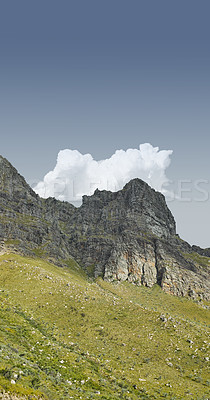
<point x="63" y="336"/>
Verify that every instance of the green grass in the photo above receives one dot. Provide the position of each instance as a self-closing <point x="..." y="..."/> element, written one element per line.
<point x="63" y="336"/>
<point x="197" y="258"/>
<point x="14" y="242"/>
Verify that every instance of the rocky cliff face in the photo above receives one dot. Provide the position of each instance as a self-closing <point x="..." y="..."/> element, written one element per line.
<point x="126" y="235"/>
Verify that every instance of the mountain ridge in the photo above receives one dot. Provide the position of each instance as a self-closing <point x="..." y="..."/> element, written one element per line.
<point x="125" y="235"/>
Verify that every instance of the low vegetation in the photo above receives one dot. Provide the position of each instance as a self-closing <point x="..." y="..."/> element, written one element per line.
<point x="64" y="336"/>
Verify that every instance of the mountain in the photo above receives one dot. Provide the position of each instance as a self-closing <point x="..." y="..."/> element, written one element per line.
<point x="129" y="235"/>
<point x="84" y="308"/>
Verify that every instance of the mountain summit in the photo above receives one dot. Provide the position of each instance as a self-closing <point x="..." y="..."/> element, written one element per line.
<point x="125" y="235"/>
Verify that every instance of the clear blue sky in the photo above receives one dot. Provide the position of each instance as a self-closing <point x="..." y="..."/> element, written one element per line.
<point x="103" y="75"/>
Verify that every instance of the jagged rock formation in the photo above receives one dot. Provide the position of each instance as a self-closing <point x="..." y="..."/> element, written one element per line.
<point x="126" y="235"/>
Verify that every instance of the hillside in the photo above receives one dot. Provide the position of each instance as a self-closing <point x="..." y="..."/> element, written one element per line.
<point x="64" y="336"/>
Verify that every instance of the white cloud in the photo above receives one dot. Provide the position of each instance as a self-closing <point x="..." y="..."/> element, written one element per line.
<point x="76" y="174"/>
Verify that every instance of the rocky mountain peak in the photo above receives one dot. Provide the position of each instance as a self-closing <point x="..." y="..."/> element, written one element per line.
<point x="137" y="204"/>
<point x="12" y="183"/>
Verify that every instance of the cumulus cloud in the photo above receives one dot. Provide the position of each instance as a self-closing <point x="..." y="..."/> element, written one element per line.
<point x="76" y="174"/>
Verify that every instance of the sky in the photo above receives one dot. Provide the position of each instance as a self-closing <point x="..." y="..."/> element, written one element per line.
<point x="100" y="76"/>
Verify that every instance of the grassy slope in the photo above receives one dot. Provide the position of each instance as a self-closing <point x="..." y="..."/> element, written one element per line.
<point x="63" y="337"/>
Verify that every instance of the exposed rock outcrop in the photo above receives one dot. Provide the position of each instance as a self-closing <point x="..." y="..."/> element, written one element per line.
<point x="126" y="235"/>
